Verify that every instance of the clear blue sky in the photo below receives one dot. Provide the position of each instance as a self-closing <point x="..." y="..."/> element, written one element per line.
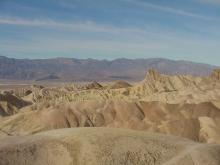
<point x="109" y="29"/>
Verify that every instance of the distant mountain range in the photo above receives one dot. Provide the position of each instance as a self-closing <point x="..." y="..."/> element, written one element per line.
<point x="70" y="69"/>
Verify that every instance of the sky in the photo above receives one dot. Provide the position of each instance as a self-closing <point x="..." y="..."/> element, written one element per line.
<point x="110" y="29"/>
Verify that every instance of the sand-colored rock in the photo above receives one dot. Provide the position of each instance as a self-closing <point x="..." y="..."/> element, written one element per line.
<point x="215" y="75"/>
<point x="185" y="120"/>
<point x="181" y="105"/>
<point x="104" y="146"/>
<point x="155" y="87"/>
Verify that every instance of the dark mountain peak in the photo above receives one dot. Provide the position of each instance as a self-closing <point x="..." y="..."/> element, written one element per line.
<point x="3" y="57"/>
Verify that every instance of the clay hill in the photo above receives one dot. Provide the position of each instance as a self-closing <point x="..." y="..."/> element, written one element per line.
<point x="105" y="146"/>
<point x="68" y="69"/>
<point x="163" y="119"/>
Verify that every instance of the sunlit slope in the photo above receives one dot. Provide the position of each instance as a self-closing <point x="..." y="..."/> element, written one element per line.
<point x="104" y="146"/>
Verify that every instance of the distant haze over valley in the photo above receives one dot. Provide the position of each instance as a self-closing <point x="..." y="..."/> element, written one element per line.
<point x="71" y="69"/>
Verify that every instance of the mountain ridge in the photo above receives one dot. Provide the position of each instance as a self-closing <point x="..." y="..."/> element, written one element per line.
<point x="73" y="69"/>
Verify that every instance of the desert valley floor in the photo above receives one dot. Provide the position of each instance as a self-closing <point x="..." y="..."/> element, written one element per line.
<point x="163" y="119"/>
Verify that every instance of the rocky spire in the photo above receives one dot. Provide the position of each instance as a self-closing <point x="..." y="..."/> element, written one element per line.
<point x="215" y="74"/>
<point x="153" y="75"/>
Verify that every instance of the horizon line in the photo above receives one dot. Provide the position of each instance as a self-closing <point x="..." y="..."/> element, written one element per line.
<point x="114" y="59"/>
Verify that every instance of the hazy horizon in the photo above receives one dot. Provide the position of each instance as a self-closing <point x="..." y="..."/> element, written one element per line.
<point x="113" y="59"/>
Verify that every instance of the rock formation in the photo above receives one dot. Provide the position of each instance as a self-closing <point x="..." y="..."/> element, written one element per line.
<point x="180" y="105"/>
<point x="215" y="74"/>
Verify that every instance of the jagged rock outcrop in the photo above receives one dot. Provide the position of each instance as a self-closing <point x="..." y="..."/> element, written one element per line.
<point x="157" y="82"/>
<point x="215" y="75"/>
<point x="93" y="85"/>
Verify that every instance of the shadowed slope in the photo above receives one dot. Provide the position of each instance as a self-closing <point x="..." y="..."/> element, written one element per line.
<point x="10" y="104"/>
<point x="199" y="122"/>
